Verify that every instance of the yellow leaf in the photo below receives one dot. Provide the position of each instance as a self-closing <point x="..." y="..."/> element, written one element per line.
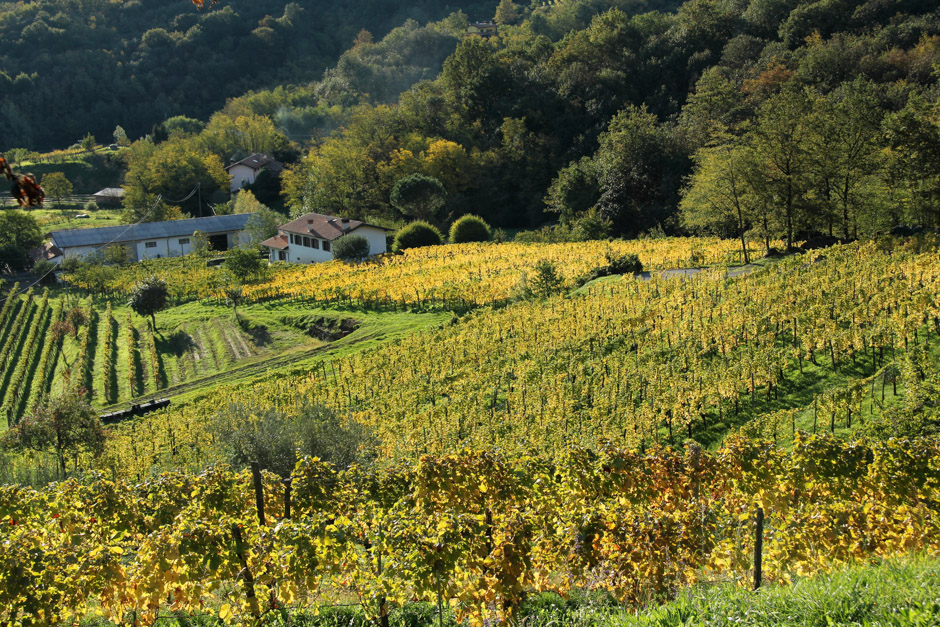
<point x="225" y="612"/>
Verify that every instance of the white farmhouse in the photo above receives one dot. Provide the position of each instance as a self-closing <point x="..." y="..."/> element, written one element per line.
<point x="151" y="240"/>
<point x="245" y="172"/>
<point x="310" y="238"/>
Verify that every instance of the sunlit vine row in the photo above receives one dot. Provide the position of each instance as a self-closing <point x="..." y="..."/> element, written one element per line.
<point x="17" y="390"/>
<point x="475" y="530"/>
<point x="465" y="275"/>
<point x="109" y="355"/>
<point x="459" y="275"/>
<point x="51" y="345"/>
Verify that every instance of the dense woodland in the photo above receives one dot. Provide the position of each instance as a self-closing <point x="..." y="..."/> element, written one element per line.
<point x="770" y="118"/>
<point x="776" y="119"/>
<point x="69" y="67"/>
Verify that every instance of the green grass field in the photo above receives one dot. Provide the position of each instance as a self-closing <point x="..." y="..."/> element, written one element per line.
<point x="53" y="218"/>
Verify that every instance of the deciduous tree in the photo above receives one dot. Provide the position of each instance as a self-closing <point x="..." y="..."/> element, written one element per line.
<point x="19" y="233"/>
<point x="57" y="186"/>
<point x="67" y="424"/>
<point x="148" y="297"/>
<point x="718" y="195"/>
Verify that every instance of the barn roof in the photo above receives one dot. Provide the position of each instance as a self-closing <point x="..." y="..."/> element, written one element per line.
<point x="149" y="230"/>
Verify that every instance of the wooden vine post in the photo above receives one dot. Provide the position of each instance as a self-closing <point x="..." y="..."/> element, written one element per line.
<point x="259" y="490"/>
<point x="758" y="547"/>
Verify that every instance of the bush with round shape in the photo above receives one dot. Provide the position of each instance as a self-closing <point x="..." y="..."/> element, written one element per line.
<point x="351" y="248"/>
<point x="416" y="235"/>
<point x="469" y="228"/>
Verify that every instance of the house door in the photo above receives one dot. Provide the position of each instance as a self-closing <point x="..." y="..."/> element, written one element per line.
<point x="218" y="242"/>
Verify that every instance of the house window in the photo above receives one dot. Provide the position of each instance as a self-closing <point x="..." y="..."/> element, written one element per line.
<point x="184" y="240"/>
<point x="291" y="238"/>
<point x="315" y="242"/>
<point x="307" y="242"/>
<point x="326" y="245"/>
<point x="150" y="245"/>
<point x="281" y="256"/>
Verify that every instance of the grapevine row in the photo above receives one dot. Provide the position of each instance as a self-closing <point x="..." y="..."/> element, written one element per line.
<point x="84" y="362"/>
<point x="51" y="346"/>
<point x="477" y="530"/>
<point x="133" y="359"/>
<point x="8" y="304"/>
<point x="109" y="355"/>
<point x="154" y="360"/>
<point x="11" y="345"/>
<point x="18" y="389"/>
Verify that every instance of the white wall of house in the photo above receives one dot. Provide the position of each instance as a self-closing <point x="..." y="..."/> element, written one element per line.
<point x="297" y="252"/>
<point x="76" y="251"/>
<point x="375" y="237"/>
<point x="153" y="248"/>
<point x="241" y="175"/>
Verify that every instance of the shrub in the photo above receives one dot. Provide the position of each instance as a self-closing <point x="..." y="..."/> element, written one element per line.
<point x="90" y="206"/>
<point x="415" y="235"/>
<point x="244" y="263"/>
<point x="469" y="228"/>
<point x="44" y="269"/>
<point x="351" y="248"/>
<point x="628" y="263"/>
<point x="543" y="283"/>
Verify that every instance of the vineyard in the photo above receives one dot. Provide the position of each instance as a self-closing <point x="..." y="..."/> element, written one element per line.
<point x="820" y="344"/>
<point x="636" y="525"/>
<point x="50" y="344"/>
<point x="449" y="277"/>
<point x="617" y="437"/>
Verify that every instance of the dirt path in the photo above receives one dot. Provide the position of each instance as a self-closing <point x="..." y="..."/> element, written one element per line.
<point x="730" y="272"/>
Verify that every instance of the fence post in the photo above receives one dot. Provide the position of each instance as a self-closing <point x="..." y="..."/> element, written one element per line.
<point x="758" y="547"/>
<point x="259" y="490"/>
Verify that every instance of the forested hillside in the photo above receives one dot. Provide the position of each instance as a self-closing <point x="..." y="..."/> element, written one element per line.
<point x="561" y="116"/>
<point x="768" y="118"/>
<point x="69" y="67"/>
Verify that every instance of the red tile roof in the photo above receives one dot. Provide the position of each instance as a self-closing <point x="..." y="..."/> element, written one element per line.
<point x="323" y="226"/>
<point x="278" y="242"/>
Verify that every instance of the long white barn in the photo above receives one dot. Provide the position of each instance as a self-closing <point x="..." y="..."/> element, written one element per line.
<point x="152" y="240"/>
<point x="310" y="238"/>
